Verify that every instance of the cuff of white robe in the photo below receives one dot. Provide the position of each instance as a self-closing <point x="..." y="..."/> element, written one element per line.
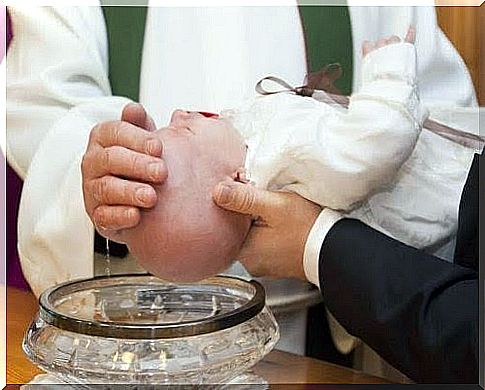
<point x="318" y="232"/>
<point x="394" y="61"/>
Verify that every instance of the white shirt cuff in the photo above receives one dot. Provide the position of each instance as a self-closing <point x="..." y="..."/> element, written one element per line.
<point x="311" y="256"/>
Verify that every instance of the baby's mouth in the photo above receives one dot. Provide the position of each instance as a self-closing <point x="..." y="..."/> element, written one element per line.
<point x="208" y="114"/>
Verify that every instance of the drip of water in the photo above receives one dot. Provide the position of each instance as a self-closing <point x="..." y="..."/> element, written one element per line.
<point x="107" y="269"/>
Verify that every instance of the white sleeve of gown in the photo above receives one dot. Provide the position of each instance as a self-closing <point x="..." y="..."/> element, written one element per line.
<point x="337" y="157"/>
<point x="57" y="90"/>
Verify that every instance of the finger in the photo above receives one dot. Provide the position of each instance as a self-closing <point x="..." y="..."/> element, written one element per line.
<point x="367" y="47"/>
<point x="393" y="39"/>
<point x="120" y="161"/>
<point x="381" y="43"/>
<point x="113" y="235"/>
<point x="411" y="35"/>
<point x="110" y="190"/>
<point x="246" y="199"/>
<point x="136" y="114"/>
<point x="114" y="218"/>
<point x="118" y="133"/>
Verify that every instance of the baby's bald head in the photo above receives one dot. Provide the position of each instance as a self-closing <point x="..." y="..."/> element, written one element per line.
<point x="186" y="237"/>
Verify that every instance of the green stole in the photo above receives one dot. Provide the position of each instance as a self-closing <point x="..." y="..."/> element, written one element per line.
<point x="126" y="30"/>
<point x="328" y="38"/>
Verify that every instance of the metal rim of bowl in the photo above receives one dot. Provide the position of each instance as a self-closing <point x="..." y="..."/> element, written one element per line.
<point x="120" y="330"/>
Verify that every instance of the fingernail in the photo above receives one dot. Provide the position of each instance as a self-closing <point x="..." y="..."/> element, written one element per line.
<point x="155" y="170"/>
<point x="144" y="195"/>
<point x="224" y="196"/>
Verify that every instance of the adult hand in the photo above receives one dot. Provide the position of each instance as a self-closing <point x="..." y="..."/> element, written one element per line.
<point x="122" y="160"/>
<point x="276" y="241"/>
<point x="368" y="46"/>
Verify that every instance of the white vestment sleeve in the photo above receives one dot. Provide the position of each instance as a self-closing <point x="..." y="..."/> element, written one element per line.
<point x="57" y="90"/>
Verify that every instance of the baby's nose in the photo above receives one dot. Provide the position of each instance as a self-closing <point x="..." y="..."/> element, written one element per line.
<point x="179" y="116"/>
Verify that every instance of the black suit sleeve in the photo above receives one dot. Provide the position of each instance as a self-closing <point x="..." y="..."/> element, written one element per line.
<point x="417" y="311"/>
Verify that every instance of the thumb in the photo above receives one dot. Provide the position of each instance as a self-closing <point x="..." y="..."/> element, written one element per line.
<point x="245" y="199"/>
<point x="136" y="114"/>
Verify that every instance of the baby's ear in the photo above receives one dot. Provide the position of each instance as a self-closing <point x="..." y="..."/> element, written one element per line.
<point x="241" y="175"/>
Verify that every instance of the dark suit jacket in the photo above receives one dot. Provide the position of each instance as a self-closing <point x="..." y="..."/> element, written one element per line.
<point x="418" y="312"/>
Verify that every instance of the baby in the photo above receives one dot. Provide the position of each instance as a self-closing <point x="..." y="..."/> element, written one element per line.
<point x="186" y="237"/>
<point x="369" y="161"/>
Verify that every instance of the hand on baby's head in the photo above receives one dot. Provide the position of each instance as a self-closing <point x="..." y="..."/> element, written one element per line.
<point x="186" y="237"/>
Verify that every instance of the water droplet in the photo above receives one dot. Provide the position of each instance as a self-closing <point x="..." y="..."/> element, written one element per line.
<point x="107" y="269"/>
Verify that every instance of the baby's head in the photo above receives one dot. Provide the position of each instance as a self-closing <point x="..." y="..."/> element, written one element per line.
<point x="186" y="237"/>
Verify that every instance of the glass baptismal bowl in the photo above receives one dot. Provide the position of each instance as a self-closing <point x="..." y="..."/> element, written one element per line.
<point x="140" y="329"/>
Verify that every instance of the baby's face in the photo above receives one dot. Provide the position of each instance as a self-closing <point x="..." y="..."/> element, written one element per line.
<point x="186" y="237"/>
<point x="210" y="141"/>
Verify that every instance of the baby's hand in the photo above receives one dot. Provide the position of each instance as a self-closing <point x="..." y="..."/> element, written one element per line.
<point x="369" y="46"/>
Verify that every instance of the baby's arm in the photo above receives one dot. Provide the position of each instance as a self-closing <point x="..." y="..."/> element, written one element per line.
<point x="334" y="157"/>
